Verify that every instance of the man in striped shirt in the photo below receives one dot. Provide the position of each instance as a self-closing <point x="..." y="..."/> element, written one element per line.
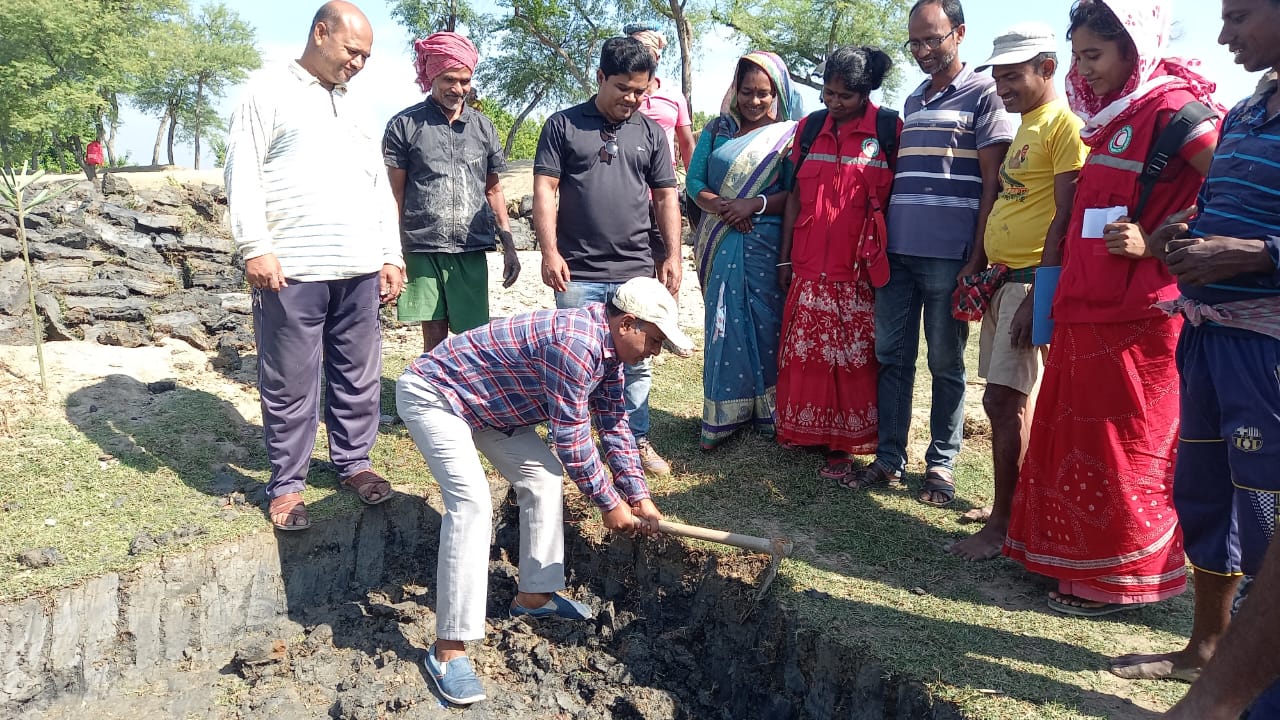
<point x="954" y="138"/>
<point x="315" y="222"/>
<point x="1225" y="485"/>
<point x="487" y="389"/>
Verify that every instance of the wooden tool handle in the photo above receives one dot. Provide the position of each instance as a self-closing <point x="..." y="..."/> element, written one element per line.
<point x="780" y="547"/>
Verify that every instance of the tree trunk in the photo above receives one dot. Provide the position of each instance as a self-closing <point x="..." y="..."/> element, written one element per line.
<point x="196" y="130"/>
<point x="155" y="151"/>
<point x="77" y="148"/>
<point x="515" y="124"/>
<point x="684" y="35"/>
<point x="173" y="132"/>
<point x="59" y="152"/>
<point x="113" y="125"/>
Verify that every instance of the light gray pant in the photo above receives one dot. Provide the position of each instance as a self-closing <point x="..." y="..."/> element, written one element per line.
<point x="466" y="529"/>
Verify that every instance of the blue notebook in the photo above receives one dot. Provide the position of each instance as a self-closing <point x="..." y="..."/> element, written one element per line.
<point x="1042" y="303"/>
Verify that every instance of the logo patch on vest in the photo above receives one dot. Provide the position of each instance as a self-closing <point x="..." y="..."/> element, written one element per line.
<point x="1120" y="141"/>
<point x="1247" y="439"/>
<point x="870" y="147"/>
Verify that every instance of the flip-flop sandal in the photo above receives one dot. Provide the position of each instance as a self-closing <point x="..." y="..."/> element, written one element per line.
<point x="937" y="482"/>
<point x="837" y="470"/>
<point x="367" y="482"/>
<point x="1104" y="609"/>
<point x="871" y="476"/>
<point x="291" y="506"/>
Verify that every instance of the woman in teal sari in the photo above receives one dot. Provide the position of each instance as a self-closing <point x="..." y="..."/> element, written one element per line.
<point x="739" y="176"/>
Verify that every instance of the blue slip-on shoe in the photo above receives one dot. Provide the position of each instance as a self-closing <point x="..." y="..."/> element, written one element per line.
<point x="455" y="679"/>
<point x="558" y="606"/>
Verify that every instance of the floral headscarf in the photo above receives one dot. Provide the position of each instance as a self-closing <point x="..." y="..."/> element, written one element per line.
<point x="1148" y="23"/>
<point x="786" y="103"/>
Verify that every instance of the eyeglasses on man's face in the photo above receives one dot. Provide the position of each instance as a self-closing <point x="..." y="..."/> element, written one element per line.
<point x="933" y="43"/>
<point x="609" y="150"/>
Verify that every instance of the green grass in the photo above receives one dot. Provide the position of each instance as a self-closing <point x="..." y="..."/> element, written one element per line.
<point x="868" y="568"/>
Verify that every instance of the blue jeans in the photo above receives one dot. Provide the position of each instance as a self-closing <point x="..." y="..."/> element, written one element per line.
<point x="639" y="377"/>
<point x="919" y="286"/>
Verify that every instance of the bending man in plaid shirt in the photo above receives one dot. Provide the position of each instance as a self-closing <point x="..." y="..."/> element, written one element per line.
<point x="485" y="390"/>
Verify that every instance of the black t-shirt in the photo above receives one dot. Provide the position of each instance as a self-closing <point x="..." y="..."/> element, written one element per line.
<point x="602" y="225"/>
<point x="447" y="167"/>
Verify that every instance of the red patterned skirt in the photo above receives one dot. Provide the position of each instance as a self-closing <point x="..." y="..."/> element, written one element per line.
<point x="827" y="368"/>
<point x="1094" y="502"/>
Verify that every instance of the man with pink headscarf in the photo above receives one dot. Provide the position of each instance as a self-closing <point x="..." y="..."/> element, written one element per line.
<point x="443" y="158"/>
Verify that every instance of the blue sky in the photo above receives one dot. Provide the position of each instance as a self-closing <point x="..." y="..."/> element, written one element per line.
<point x="386" y="84"/>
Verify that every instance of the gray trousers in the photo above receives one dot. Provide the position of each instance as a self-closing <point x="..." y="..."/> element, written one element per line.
<point x="307" y="333"/>
<point x="466" y="528"/>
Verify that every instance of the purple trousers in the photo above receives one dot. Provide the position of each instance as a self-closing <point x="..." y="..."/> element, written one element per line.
<point x="309" y="333"/>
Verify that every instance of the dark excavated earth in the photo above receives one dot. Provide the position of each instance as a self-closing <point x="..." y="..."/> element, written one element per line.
<point x="678" y="634"/>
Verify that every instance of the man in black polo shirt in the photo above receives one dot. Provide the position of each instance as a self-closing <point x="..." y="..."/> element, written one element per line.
<point x="603" y="158"/>
<point x="443" y="158"/>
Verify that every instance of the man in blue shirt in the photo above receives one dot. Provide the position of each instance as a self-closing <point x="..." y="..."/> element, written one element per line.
<point x="1225" y="483"/>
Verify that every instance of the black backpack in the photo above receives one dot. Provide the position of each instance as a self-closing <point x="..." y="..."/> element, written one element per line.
<point x="886" y="134"/>
<point x="1166" y="146"/>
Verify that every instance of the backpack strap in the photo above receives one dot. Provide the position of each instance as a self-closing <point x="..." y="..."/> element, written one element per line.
<point x="887" y="131"/>
<point x="813" y="123"/>
<point x="1166" y="146"/>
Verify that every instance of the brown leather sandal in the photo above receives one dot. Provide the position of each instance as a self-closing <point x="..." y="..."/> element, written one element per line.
<point x="289" y="513"/>
<point x="366" y="483"/>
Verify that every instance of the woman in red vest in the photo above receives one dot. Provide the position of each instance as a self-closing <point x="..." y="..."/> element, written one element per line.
<point x="832" y="256"/>
<point x="1093" y="507"/>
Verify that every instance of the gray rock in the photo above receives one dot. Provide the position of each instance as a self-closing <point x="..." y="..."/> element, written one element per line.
<point x="66" y="272"/>
<point x="33" y="221"/>
<point x="522" y="235"/>
<point x="113" y="184"/>
<point x="117" y="334"/>
<point x="13" y="288"/>
<point x="48" y="251"/>
<point x="167" y="197"/>
<point x="526" y="206"/>
<point x="228" y="359"/>
<point x="141" y="544"/>
<point x="106" y="308"/>
<point x="239" y="302"/>
<point x="9" y="248"/>
<point x="75" y="237"/>
<point x="104" y="288"/>
<point x="162" y="386"/>
<point x="183" y="325"/>
<point x="211" y="275"/>
<point x="40" y="557"/>
<point x="170" y="243"/>
<point x="144" y="283"/>
<point x="49" y="309"/>
<point x="142" y="222"/>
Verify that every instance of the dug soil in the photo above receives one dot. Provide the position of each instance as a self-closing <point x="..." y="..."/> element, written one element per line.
<point x="678" y="633"/>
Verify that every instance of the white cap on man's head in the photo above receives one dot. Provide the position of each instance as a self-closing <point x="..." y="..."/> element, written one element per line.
<point x="1021" y="43"/>
<point x="649" y="300"/>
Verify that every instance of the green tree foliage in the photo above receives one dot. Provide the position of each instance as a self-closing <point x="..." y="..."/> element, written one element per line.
<point x="64" y="64"/>
<point x="804" y="32"/>
<point x="520" y="145"/>
<point x="195" y="58"/>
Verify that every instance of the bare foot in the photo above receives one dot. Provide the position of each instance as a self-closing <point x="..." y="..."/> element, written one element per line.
<point x="976" y="515"/>
<point x="1183" y="665"/>
<point x="983" y="545"/>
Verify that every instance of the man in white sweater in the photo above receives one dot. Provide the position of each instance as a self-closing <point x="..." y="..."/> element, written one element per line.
<point x="315" y="222"/>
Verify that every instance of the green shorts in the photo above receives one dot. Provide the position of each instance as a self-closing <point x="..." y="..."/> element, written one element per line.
<point x="446" y="286"/>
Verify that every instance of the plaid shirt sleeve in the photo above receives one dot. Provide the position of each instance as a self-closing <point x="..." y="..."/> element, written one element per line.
<point x="569" y="369"/>
<point x="610" y="411"/>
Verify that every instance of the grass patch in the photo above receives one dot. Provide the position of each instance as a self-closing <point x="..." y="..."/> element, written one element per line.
<point x="868" y="567"/>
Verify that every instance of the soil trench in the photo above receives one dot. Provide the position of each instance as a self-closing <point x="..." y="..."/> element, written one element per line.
<point x="678" y="634"/>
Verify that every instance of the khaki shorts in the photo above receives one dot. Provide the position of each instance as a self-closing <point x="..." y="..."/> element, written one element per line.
<point x="446" y="286"/>
<point x="998" y="361"/>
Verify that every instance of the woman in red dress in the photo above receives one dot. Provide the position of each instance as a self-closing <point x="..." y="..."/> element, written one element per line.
<point x="1093" y="507"/>
<point x="832" y="255"/>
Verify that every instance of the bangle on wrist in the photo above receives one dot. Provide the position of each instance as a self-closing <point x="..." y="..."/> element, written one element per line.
<point x="785" y="264"/>
<point x="764" y="203"/>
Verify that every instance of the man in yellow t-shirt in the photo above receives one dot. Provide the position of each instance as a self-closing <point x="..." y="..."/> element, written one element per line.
<point x="1025" y="230"/>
